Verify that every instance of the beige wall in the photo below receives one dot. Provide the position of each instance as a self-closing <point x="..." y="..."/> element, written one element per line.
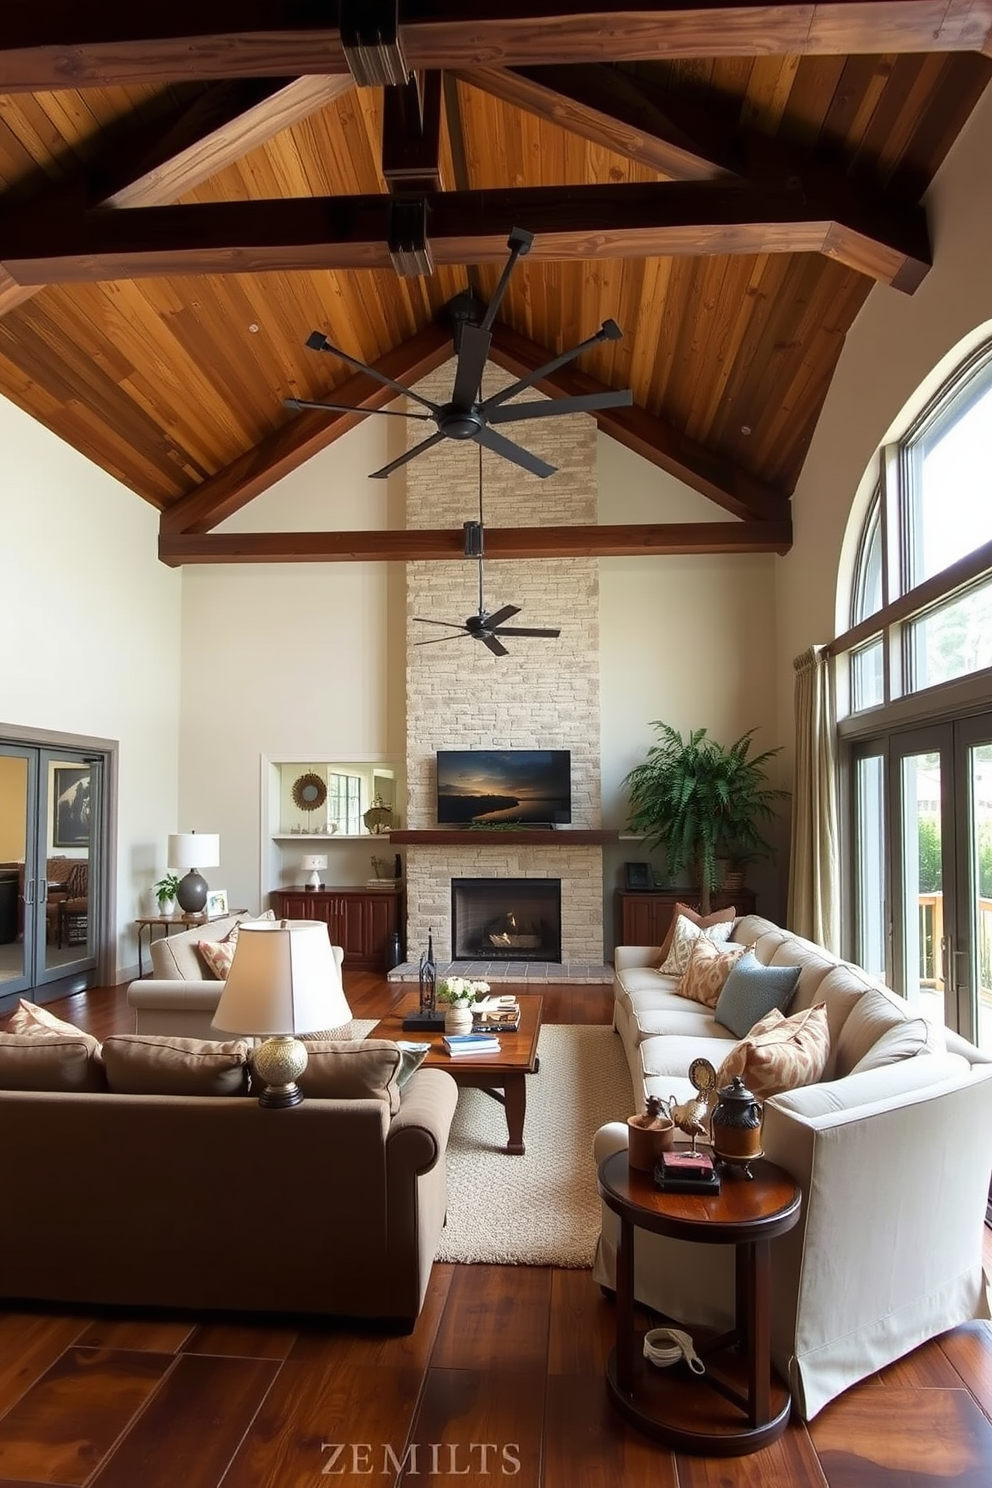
<point x="92" y="640"/>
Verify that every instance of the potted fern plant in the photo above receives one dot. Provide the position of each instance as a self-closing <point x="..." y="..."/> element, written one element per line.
<point x="702" y="801"/>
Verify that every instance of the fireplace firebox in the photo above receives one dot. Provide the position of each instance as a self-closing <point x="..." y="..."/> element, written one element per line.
<point x="511" y="919"/>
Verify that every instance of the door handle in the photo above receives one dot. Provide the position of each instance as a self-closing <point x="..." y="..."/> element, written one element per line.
<point x="946" y="959"/>
<point x="29" y="891"/>
<point x="43" y="891"/>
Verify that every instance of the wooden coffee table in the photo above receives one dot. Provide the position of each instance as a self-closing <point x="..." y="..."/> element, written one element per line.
<point x="502" y="1075"/>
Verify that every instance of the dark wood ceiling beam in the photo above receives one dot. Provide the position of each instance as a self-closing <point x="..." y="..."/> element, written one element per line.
<point x="63" y="44"/>
<point x="411" y="134"/>
<point x="153" y="164"/>
<point x="629" y="220"/>
<point x="663" y="540"/>
<point x="303" y="436"/>
<point x="725" y="484"/>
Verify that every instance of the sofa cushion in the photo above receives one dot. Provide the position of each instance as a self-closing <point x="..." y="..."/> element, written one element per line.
<point x="873" y="1014"/>
<point x="703" y="922"/>
<point x="48" y="1061"/>
<point x="353" y="1069"/>
<point x="752" y="990"/>
<point x="155" y="1064"/>
<point x="684" y="937"/>
<point x="780" y="1053"/>
<point x="708" y="968"/>
<point x="688" y="1020"/>
<point x="672" y="1054"/>
<point x="901" y="1041"/>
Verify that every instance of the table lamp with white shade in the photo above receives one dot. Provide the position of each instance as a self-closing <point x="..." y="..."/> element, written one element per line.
<point x="314" y="864"/>
<point x="283" y="980"/>
<point x="193" y="850"/>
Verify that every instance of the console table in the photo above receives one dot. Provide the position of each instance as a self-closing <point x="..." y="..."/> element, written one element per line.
<point x="739" y="1404"/>
<point x="362" y="921"/>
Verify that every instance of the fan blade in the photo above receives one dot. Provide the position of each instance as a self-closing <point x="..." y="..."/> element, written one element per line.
<point x="438" y="639"/>
<point x="608" y="331"/>
<point x="510" y="451"/>
<point x="503" y="630"/>
<point x="350" y="408"/>
<point x="519" y="242"/>
<point x="504" y="614"/>
<point x="317" y="341"/>
<point x="473" y="351"/>
<point x="584" y="403"/>
<point x="494" y="645"/>
<point x="418" y="449"/>
<point x="450" y="623"/>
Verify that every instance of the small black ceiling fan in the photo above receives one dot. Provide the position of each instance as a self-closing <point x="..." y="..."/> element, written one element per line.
<point x="467" y="416"/>
<point x="484" y="627"/>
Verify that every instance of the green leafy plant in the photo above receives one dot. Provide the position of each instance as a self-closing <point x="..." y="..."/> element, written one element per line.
<point x="166" y="888"/>
<point x="700" y="801"/>
<point x="461" y="990"/>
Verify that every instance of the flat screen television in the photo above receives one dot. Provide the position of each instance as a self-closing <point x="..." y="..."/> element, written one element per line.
<point x="504" y="785"/>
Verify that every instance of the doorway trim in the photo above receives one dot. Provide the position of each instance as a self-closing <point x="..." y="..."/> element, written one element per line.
<point x="106" y="927"/>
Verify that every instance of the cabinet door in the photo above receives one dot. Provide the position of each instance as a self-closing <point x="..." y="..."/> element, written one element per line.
<point x="382" y="921"/>
<point x="347" y="926"/>
<point x="292" y="906"/>
<point x="639" y="919"/>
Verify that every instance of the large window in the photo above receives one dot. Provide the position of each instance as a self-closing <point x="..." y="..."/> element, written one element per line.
<point x="917" y="735"/>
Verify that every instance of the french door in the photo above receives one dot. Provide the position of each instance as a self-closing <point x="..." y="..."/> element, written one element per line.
<point x="51" y="816"/>
<point x="923" y="869"/>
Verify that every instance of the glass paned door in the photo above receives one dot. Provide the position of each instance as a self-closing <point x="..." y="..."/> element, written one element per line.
<point x="969" y="933"/>
<point x="919" y="838"/>
<point x="18" y="879"/>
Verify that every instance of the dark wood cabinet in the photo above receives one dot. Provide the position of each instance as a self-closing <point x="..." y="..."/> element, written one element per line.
<point x="361" y="921"/>
<point x="644" y="918"/>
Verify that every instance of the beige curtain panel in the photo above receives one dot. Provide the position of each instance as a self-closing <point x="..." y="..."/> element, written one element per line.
<point x="814" y="897"/>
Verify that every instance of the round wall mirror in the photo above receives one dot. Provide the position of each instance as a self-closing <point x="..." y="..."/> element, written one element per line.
<point x="309" y="792"/>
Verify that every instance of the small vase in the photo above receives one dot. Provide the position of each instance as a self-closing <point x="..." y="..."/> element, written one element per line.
<point x="166" y="906"/>
<point x="458" y="1020"/>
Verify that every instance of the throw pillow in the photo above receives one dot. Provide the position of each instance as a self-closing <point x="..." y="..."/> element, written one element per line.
<point x="48" y="1061"/>
<point x="780" y="1053"/>
<point x="901" y="1041"/>
<point x="752" y="990"/>
<point x="708" y="968"/>
<point x="704" y="922"/>
<point x="353" y="1069"/>
<point x="30" y="1019"/>
<point x="156" y="1064"/>
<point x="218" y="954"/>
<point x="412" y="1057"/>
<point x="684" y="938"/>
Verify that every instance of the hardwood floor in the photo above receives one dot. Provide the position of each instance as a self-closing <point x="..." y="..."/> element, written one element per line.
<point x="501" y="1381"/>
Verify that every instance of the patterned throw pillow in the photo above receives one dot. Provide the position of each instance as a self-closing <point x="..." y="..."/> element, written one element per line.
<point x="218" y="954"/>
<point x="780" y="1053"/>
<point x="752" y="990"/>
<point x="685" y="936"/>
<point x="705" y="922"/>
<point x="708" y="968"/>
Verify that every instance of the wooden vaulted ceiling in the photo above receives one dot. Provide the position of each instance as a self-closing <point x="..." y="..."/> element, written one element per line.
<point x="183" y="198"/>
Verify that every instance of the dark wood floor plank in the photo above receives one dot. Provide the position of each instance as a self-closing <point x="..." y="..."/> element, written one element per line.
<point x="926" y="1368"/>
<point x="480" y="1427"/>
<point x="969" y="1349"/>
<point x="587" y="1443"/>
<point x="788" y="1463"/>
<point x="325" y="1343"/>
<point x="904" y="1438"/>
<point x="30" y="1343"/>
<point x="582" y="1325"/>
<point x="153" y="1335"/>
<point x="496" y="1317"/>
<point x="61" y="1430"/>
<point x="238" y="1340"/>
<point x="310" y="1410"/>
<point x="202" y="1411"/>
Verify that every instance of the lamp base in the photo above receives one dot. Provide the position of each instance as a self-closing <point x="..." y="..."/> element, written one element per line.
<point x="280" y="1062"/>
<point x="191" y="895"/>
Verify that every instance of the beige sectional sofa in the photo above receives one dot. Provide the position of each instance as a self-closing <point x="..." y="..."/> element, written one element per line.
<point x="892" y="1148"/>
<point x="181" y="996"/>
<point x="145" y="1175"/>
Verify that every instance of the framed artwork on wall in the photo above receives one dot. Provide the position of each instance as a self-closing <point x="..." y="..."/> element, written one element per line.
<point x="71" y="811"/>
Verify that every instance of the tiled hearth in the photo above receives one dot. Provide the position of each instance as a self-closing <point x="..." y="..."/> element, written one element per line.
<point x="532" y="972"/>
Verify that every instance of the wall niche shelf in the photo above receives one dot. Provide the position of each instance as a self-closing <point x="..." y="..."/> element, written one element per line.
<point x="534" y="836"/>
<point x="330" y="837"/>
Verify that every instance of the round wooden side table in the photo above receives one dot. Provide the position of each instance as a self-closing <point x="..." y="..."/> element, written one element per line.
<point x="740" y="1404"/>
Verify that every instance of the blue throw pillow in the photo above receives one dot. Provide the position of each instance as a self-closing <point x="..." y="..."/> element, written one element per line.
<point x="752" y="990"/>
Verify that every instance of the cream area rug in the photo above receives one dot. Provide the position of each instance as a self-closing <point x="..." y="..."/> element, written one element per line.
<point x="541" y="1209"/>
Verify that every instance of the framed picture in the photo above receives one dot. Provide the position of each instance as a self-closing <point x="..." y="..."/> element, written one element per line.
<point x="71" y="809"/>
<point x="637" y="876"/>
<point x="217" y="902"/>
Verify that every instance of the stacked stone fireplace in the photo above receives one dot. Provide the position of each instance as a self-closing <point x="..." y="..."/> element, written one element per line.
<point x="543" y="695"/>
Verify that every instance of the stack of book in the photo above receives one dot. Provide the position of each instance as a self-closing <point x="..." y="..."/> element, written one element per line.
<point x="683" y="1171"/>
<point x="497" y="1013"/>
<point x="471" y="1043"/>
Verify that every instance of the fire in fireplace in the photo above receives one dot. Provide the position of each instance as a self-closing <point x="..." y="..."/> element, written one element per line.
<point x="512" y="919"/>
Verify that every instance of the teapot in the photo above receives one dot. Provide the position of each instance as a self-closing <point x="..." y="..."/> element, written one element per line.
<point x="735" y="1128"/>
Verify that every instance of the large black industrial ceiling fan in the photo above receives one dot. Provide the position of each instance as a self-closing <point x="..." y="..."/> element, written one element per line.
<point x="482" y="626"/>
<point x="467" y="415"/>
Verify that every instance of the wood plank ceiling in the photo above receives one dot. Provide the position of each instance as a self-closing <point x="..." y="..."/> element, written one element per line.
<point x="184" y="198"/>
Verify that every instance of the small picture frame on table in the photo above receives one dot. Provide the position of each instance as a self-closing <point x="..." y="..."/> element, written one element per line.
<point x="217" y="902"/>
<point x="637" y="876"/>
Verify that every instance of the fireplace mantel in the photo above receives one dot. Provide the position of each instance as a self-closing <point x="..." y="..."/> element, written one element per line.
<point x="534" y="836"/>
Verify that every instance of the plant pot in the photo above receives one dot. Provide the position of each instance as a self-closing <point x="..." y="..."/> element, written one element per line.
<point x="165" y="906"/>
<point x="458" y="1019"/>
